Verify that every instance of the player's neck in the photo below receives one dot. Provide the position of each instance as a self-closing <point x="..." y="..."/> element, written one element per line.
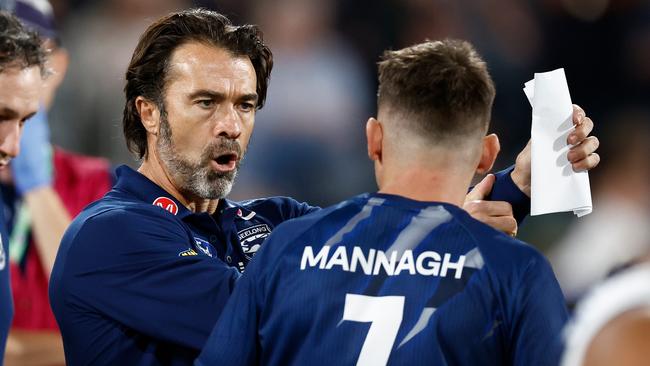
<point x="153" y="169"/>
<point x="423" y="184"/>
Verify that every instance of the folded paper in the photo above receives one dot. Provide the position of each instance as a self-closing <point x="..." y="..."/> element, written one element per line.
<point x="555" y="187"/>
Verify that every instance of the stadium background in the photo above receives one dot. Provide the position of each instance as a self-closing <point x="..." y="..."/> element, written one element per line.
<point x="308" y="142"/>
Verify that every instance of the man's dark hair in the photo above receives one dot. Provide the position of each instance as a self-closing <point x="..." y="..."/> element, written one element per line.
<point x="19" y="47"/>
<point x="441" y="89"/>
<point x="147" y="73"/>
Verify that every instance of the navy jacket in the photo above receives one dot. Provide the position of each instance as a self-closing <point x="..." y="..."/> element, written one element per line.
<point x="141" y="280"/>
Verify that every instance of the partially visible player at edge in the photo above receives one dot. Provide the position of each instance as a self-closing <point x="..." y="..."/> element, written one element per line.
<point x="44" y="189"/>
<point x="403" y="276"/>
<point x="139" y="285"/>
<point x="22" y="68"/>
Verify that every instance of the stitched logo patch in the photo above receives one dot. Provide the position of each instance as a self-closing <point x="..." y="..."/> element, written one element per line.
<point x="251" y="238"/>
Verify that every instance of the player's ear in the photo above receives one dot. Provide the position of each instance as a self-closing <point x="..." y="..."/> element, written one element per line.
<point x="374" y="137"/>
<point x="59" y="61"/>
<point x="149" y="114"/>
<point x="489" y="153"/>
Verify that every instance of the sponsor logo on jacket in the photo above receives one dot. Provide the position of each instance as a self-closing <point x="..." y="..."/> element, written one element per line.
<point x="166" y="204"/>
<point x="187" y="253"/>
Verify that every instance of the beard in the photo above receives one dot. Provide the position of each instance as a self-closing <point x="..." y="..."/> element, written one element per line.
<point x="197" y="178"/>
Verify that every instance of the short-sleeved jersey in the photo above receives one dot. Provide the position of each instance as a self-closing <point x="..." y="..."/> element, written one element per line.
<point x="6" y="304"/>
<point x="141" y="280"/>
<point x="381" y="279"/>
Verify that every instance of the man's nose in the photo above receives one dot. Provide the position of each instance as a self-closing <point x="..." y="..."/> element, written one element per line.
<point x="10" y="139"/>
<point x="228" y="124"/>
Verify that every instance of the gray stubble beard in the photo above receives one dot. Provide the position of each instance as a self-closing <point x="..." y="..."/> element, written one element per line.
<point x="197" y="178"/>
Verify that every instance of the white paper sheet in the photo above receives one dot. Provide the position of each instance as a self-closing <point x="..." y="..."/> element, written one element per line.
<point x="555" y="187"/>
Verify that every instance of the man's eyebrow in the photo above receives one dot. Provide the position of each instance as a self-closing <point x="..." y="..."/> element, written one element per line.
<point x="206" y="94"/>
<point x="211" y="94"/>
<point x="251" y="97"/>
<point x="8" y="113"/>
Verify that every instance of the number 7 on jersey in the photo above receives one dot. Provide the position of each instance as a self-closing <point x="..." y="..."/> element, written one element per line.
<point x="385" y="313"/>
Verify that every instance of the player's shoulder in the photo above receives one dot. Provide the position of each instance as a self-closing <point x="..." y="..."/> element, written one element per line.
<point x="322" y="220"/>
<point x="497" y="248"/>
<point x="288" y="239"/>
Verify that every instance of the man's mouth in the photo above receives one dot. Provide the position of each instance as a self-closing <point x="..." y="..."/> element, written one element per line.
<point x="225" y="162"/>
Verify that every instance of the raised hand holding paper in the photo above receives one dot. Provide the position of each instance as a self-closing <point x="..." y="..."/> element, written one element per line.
<point x="555" y="187"/>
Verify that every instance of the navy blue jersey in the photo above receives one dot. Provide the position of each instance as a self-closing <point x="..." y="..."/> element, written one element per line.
<point x="6" y="305"/>
<point x="141" y="280"/>
<point x="381" y="279"/>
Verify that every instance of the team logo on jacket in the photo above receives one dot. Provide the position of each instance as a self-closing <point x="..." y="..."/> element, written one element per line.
<point x="251" y="238"/>
<point x="203" y="246"/>
<point x="166" y="204"/>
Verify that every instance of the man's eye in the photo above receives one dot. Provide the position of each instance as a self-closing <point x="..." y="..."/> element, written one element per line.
<point x="247" y="106"/>
<point x="205" y="103"/>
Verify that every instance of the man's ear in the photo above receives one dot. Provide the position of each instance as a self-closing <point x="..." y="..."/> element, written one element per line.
<point x="149" y="114"/>
<point x="489" y="154"/>
<point x="374" y="137"/>
<point x="59" y="61"/>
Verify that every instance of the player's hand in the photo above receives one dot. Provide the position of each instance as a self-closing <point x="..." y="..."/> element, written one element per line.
<point x="31" y="169"/>
<point x="497" y="214"/>
<point x="582" y="155"/>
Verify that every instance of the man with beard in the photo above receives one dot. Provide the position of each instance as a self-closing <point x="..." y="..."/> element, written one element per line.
<point x="142" y="275"/>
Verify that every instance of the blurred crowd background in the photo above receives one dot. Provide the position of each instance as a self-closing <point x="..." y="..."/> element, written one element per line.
<point x="308" y="141"/>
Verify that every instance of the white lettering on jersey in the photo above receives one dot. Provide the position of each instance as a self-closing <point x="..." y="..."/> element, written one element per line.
<point x="309" y="259"/>
<point x="427" y="263"/>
